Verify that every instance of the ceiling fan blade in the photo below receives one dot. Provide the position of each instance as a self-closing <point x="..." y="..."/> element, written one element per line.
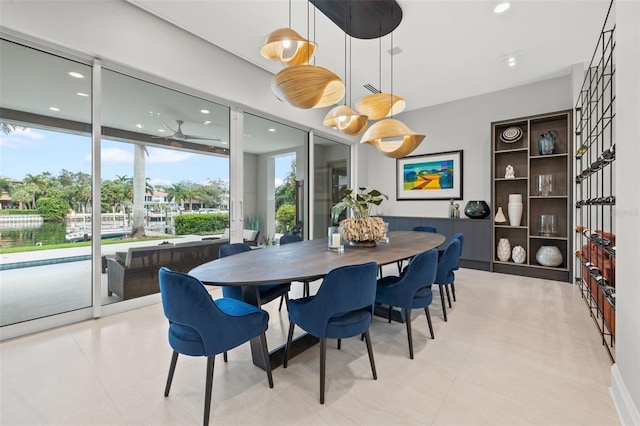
<point x="200" y="138"/>
<point x="167" y="126"/>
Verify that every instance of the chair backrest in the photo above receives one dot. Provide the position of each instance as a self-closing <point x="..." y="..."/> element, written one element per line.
<point x="193" y="313"/>
<point x="343" y="290"/>
<point x="233" y="248"/>
<point x="460" y="237"/>
<point x="420" y="273"/>
<point x="187" y="303"/>
<point x="447" y="263"/>
<point x="425" y="229"/>
<point x="290" y="238"/>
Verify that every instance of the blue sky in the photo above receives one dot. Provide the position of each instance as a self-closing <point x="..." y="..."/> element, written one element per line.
<point x="35" y="151"/>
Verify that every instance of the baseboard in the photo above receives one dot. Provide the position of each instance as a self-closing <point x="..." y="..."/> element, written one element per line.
<point x="627" y="411"/>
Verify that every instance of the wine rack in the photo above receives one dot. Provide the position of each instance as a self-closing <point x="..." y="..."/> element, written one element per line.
<point x="595" y="188"/>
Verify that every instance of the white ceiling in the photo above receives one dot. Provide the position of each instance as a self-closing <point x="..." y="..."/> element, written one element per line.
<point x="450" y="49"/>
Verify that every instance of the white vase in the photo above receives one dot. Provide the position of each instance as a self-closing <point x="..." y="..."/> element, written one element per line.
<point x="549" y="256"/>
<point x="500" y="216"/>
<point x="519" y="254"/>
<point x="515" y="198"/>
<point x="515" y="213"/>
<point x="504" y="250"/>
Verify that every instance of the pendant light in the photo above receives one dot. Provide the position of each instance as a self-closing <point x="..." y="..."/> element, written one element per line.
<point x="308" y="86"/>
<point x="381" y="105"/>
<point x="343" y="117"/>
<point x="287" y="46"/>
<point x="392" y="137"/>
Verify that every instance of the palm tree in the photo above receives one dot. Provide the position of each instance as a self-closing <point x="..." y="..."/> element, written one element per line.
<point x="177" y="192"/>
<point x="6" y="128"/>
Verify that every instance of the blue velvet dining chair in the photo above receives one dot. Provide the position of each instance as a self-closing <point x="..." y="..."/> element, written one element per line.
<point x="288" y="239"/>
<point x="425" y="229"/>
<point x="201" y="326"/>
<point x="411" y="290"/>
<point x="264" y="293"/>
<point x="445" y="276"/>
<point x="342" y="307"/>
<point x="415" y="229"/>
<point x="460" y="237"/>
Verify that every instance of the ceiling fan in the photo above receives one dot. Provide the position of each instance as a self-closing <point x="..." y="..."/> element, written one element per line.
<point x="179" y="135"/>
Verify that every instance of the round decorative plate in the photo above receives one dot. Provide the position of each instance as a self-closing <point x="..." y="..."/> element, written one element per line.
<point x="511" y="134"/>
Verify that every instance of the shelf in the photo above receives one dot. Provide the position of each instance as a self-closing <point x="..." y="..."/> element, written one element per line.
<point x="502" y="151"/>
<point x="543" y="237"/>
<point x="538" y="157"/>
<point x="528" y="165"/>
<point x="547" y="197"/>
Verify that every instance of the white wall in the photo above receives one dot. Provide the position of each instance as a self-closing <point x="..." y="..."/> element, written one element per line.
<point x="466" y="125"/>
<point x="625" y="375"/>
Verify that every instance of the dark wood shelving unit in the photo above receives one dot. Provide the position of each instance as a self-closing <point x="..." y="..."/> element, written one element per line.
<point x="528" y="163"/>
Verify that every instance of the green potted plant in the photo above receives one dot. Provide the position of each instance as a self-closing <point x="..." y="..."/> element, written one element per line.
<point x="361" y="229"/>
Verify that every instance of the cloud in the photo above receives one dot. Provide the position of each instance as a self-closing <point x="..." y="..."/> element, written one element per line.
<point x="163" y="156"/>
<point x="115" y="156"/>
<point x="279" y="181"/>
<point x="20" y="138"/>
<point x="160" y="181"/>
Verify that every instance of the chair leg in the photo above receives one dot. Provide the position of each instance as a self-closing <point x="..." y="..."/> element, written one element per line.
<point x="172" y="369"/>
<point x="287" y="348"/>
<point x="224" y="356"/>
<point x="453" y="291"/>
<point x="339" y="344"/>
<point x="281" y="300"/>
<point x="426" y="311"/>
<point x="380" y="271"/>
<point x="390" y="312"/>
<point x="207" y="390"/>
<point x="399" y="263"/>
<point x="265" y="355"/>
<point x="305" y="290"/>
<point x="409" y="336"/>
<point x="323" y="367"/>
<point x="370" y="351"/>
<point x="446" y="289"/>
<point x="444" y="307"/>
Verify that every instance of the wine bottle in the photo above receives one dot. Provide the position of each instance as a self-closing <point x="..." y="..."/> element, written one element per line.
<point x="601" y="281"/>
<point x="609" y="154"/>
<point x="583" y="148"/>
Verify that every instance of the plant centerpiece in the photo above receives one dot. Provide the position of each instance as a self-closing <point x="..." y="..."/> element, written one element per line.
<point x="361" y="229"/>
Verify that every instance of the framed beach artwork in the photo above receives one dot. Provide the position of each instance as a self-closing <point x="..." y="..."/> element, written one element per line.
<point x="435" y="176"/>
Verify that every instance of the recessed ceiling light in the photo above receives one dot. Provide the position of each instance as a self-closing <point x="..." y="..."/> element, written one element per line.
<point x="207" y="122"/>
<point x="139" y="126"/>
<point x="161" y="130"/>
<point x="205" y="111"/>
<point x="272" y="129"/>
<point x="82" y="94"/>
<point x="75" y="74"/>
<point x="54" y="108"/>
<point x="502" y="7"/>
<point x="223" y="142"/>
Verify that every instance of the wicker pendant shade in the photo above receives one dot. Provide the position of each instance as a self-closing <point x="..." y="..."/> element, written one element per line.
<point x="380" y="105"/>
<point x="308" y="86"/>
<point x="346" y="120"/>
<point x="392" y="138"/>
<point x="299" y="52"/>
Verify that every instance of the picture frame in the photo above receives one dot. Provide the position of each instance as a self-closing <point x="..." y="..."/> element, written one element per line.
<point x="436" y="176"/>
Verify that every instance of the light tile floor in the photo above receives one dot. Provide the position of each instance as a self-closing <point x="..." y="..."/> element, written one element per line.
<point x="515" y="351"/>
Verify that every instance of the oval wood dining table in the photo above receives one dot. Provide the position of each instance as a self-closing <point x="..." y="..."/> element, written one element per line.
<point x="303" y="261"/>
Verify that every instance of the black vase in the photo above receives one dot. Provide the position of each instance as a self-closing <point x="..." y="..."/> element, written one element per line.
<point x="477" y="210"/>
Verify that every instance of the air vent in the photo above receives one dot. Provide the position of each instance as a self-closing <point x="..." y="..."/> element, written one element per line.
<point x="371" y="88"/>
